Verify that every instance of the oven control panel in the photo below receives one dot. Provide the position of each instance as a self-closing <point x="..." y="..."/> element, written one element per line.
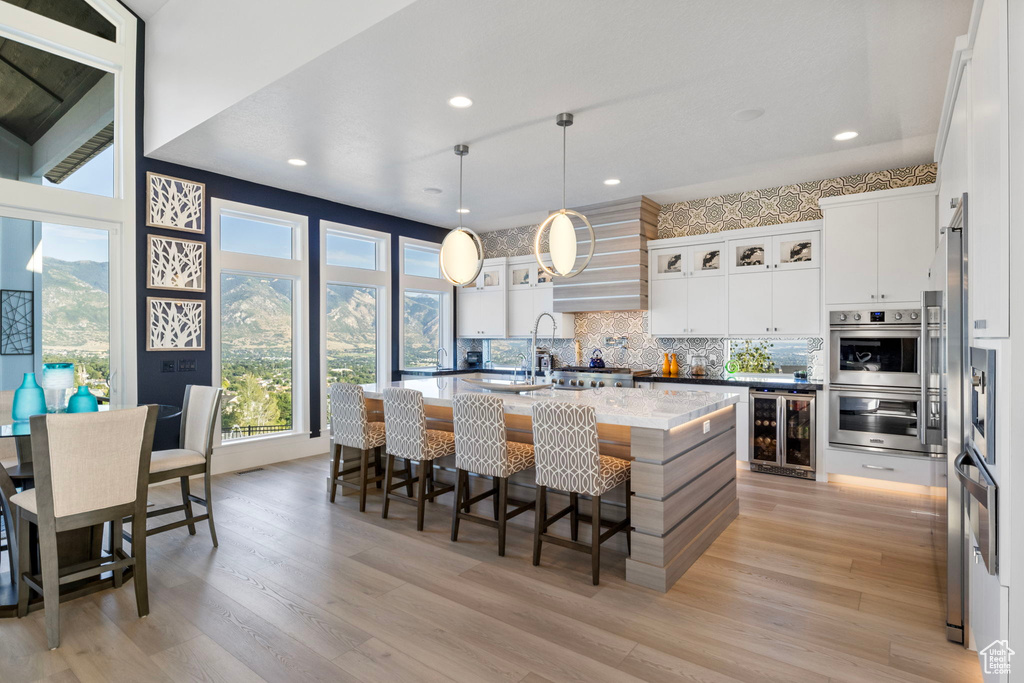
<point x="902" y="316"/>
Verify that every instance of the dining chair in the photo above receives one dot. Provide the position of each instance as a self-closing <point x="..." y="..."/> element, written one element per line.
<point x="567" y="459"/>
<point x="351" y="427"/>
<point x="8" y="459"/>
<point x="193" y="456"/>
<point x="90" y="468"/>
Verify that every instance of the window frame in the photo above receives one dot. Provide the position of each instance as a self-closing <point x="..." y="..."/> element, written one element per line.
<point x="417" y="283"/>
<point x="295" y="269"/>
<point x="378" y="279"/>
<point x="115" y="214"/>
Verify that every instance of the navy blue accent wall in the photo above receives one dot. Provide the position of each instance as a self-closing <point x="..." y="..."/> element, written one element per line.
<point x="160" y="387"/>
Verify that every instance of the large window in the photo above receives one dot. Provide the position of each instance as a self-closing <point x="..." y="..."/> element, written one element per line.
<point x="506" y="353"/>
<point x="426" y="300"/>
<point x="67" y="187"/>
<point x="356" y="309"/>
<point x="260" y="320"/>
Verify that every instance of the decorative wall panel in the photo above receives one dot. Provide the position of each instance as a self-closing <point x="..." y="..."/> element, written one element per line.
<point x="16" y="327"/>
<point x="176" y="264"/>
<point x="174" y="203"/>
<point x="176" y="324"/>
<point x="775" y="205"/>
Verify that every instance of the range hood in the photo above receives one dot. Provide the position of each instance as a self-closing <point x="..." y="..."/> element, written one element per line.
<point x="616" y="279"/>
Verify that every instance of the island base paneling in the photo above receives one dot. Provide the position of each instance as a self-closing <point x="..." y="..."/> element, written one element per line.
<point x="683" y="488"/>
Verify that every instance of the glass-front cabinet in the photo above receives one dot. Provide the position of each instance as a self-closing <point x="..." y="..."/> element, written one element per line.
<point x="782" y="429"/>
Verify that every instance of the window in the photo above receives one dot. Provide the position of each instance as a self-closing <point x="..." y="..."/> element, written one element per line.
<point x="76" y="302"/>
<point x="68" y="133"/>
<point x="250" y="235"/>
<point x="356" y="308"/>
<point x="426" y="301"/>
<point x="768" y="355"/>
<point x="350" y="251"/>
<point x="504" y="353"/>
<point x="259" y="320"/>
<point x="422" y="261"/>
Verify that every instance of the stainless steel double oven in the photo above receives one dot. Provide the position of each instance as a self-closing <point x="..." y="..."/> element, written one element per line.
<point x="885" y="380"/>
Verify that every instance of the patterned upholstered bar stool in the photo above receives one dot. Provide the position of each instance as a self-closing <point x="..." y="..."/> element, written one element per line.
<point x="351" y="427"/>
<point x="409" y="438"/>
<point x="482" y="447"/>
<point x="567" y="459"/>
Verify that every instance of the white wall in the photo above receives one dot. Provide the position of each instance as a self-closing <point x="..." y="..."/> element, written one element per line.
<point x="203" y="56"/>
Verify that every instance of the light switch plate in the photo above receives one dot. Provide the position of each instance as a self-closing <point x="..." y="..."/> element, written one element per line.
<point x="707" y="426"/>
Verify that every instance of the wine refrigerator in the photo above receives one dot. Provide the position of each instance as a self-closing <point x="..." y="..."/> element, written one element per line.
<point x="782" y="432"/>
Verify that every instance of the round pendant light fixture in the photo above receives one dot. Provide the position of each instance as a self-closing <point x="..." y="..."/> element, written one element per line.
<point x="563" y="247"/>
<point x="462" y="252"/>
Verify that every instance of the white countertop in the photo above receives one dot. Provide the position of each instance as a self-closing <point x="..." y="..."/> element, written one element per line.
<point x="648" y="408"/>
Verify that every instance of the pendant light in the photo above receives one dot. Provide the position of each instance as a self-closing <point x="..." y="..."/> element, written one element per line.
<point x="563" y="246"/>
<point x="462" y="252"/>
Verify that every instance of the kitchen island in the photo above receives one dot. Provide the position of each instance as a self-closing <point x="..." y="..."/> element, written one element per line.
<point x="682" y="444"/>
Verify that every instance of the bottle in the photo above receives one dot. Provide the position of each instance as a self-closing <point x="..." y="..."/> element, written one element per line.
<point x="666" y="367"/>
<point x="674" y="367"/>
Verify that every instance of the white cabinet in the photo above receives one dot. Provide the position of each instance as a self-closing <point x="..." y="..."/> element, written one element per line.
<point x="989" y="201"/>
<point x="716" y="288"/>
<point x="530" y="293"/>
<point x="481" y="305"/>
<point x="953" y="167"/>
<point x="687" y="292"/>
<point x="796" y="302"/>
<point x="750" y="304"/>
<point x="878" y="246"/>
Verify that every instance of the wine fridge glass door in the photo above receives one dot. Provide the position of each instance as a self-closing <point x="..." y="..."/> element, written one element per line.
<point x="764" y="434"/>
<point x="798" y="431"/>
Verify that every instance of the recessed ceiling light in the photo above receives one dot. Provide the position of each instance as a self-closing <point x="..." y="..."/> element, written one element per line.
<point x="460" y="102"/>
<point x="463" y="210"/>
<point x="297" y="162"/>
<point x="748" y="114"/>
<point x="612" y="181"/>
<point x="432" y="190"/>
<point x="847" y="135"/>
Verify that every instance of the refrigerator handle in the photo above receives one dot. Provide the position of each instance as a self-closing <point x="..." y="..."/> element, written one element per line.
<point x="924" y="432"/>
<point x="780" y="430"/>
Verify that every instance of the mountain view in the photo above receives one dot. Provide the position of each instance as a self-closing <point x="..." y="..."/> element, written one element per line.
<point x="256" y="337"/>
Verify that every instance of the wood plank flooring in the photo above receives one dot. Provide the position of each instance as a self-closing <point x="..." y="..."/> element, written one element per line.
<point x="813" y="582"/>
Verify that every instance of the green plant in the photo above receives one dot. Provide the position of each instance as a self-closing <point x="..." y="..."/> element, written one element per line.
<point x="754" y="356"/>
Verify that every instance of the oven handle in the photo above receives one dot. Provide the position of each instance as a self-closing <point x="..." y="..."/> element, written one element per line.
<point x="978" y="490"/>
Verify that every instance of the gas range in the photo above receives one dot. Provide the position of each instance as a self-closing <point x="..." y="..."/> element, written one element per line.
<point x="577" y="378"/>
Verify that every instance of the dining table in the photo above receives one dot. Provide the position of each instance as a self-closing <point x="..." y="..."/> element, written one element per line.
<point x="73" y="547"/>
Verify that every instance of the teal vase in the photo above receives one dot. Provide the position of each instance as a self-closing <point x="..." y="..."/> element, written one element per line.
<point x="83" y="401"/>
<point x="28" y="399"/>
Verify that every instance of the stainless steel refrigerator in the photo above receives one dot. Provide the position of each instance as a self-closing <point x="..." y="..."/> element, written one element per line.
<point x="946" y="356"/>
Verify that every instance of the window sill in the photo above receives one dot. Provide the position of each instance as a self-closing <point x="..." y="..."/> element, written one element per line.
<point x="262" y="438"/>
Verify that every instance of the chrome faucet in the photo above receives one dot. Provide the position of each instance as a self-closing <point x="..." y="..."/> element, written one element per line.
<point x="440" y="353"/>
<point x="524" y="364"/>
<point x="554" y="331"/>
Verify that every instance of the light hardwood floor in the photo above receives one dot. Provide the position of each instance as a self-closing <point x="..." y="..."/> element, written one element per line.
<point x="812" y="582"/>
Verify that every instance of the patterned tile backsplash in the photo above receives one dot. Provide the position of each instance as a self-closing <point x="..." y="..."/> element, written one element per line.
<point x="771" y="206"/>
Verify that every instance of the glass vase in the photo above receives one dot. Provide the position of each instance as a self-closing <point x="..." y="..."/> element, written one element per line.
<point x="28" y="399"/>
<point x="58" y="379"/>
<point x="84" y="401"/>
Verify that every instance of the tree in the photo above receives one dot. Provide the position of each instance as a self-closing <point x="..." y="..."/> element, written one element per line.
<point x="252" y="405"/>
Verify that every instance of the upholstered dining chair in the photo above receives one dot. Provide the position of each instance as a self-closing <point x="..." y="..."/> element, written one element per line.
<point x="565" y="445"/>
<point x="90" y="468"/>
<point x="482" y="447"/>
<point x="408" y="438"/>
<point x="193" y="456"/>
<point x="351" y="427"/>
<point x="8" y="458"/>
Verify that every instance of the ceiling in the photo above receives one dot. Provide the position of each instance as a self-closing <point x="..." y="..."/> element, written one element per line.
<point x="654" y="86"/>
<point x="145" y="8"/>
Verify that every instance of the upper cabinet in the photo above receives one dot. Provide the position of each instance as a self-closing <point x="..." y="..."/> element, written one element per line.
<point x="481" y="305"/>
<point x="878" y="246"/>
<point x="741" y="286"/>
<point x="530" y="293"/>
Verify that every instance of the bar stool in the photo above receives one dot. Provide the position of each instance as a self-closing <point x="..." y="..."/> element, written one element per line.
<point x="567" y="459"/>
<point x="90" y="468"/>
<point x="482" y="447"/>
<point x="350" y="427"/>
<point x="409" y="438"/>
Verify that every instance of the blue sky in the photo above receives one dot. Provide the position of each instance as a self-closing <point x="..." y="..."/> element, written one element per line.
<point x="70" y="243"/>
